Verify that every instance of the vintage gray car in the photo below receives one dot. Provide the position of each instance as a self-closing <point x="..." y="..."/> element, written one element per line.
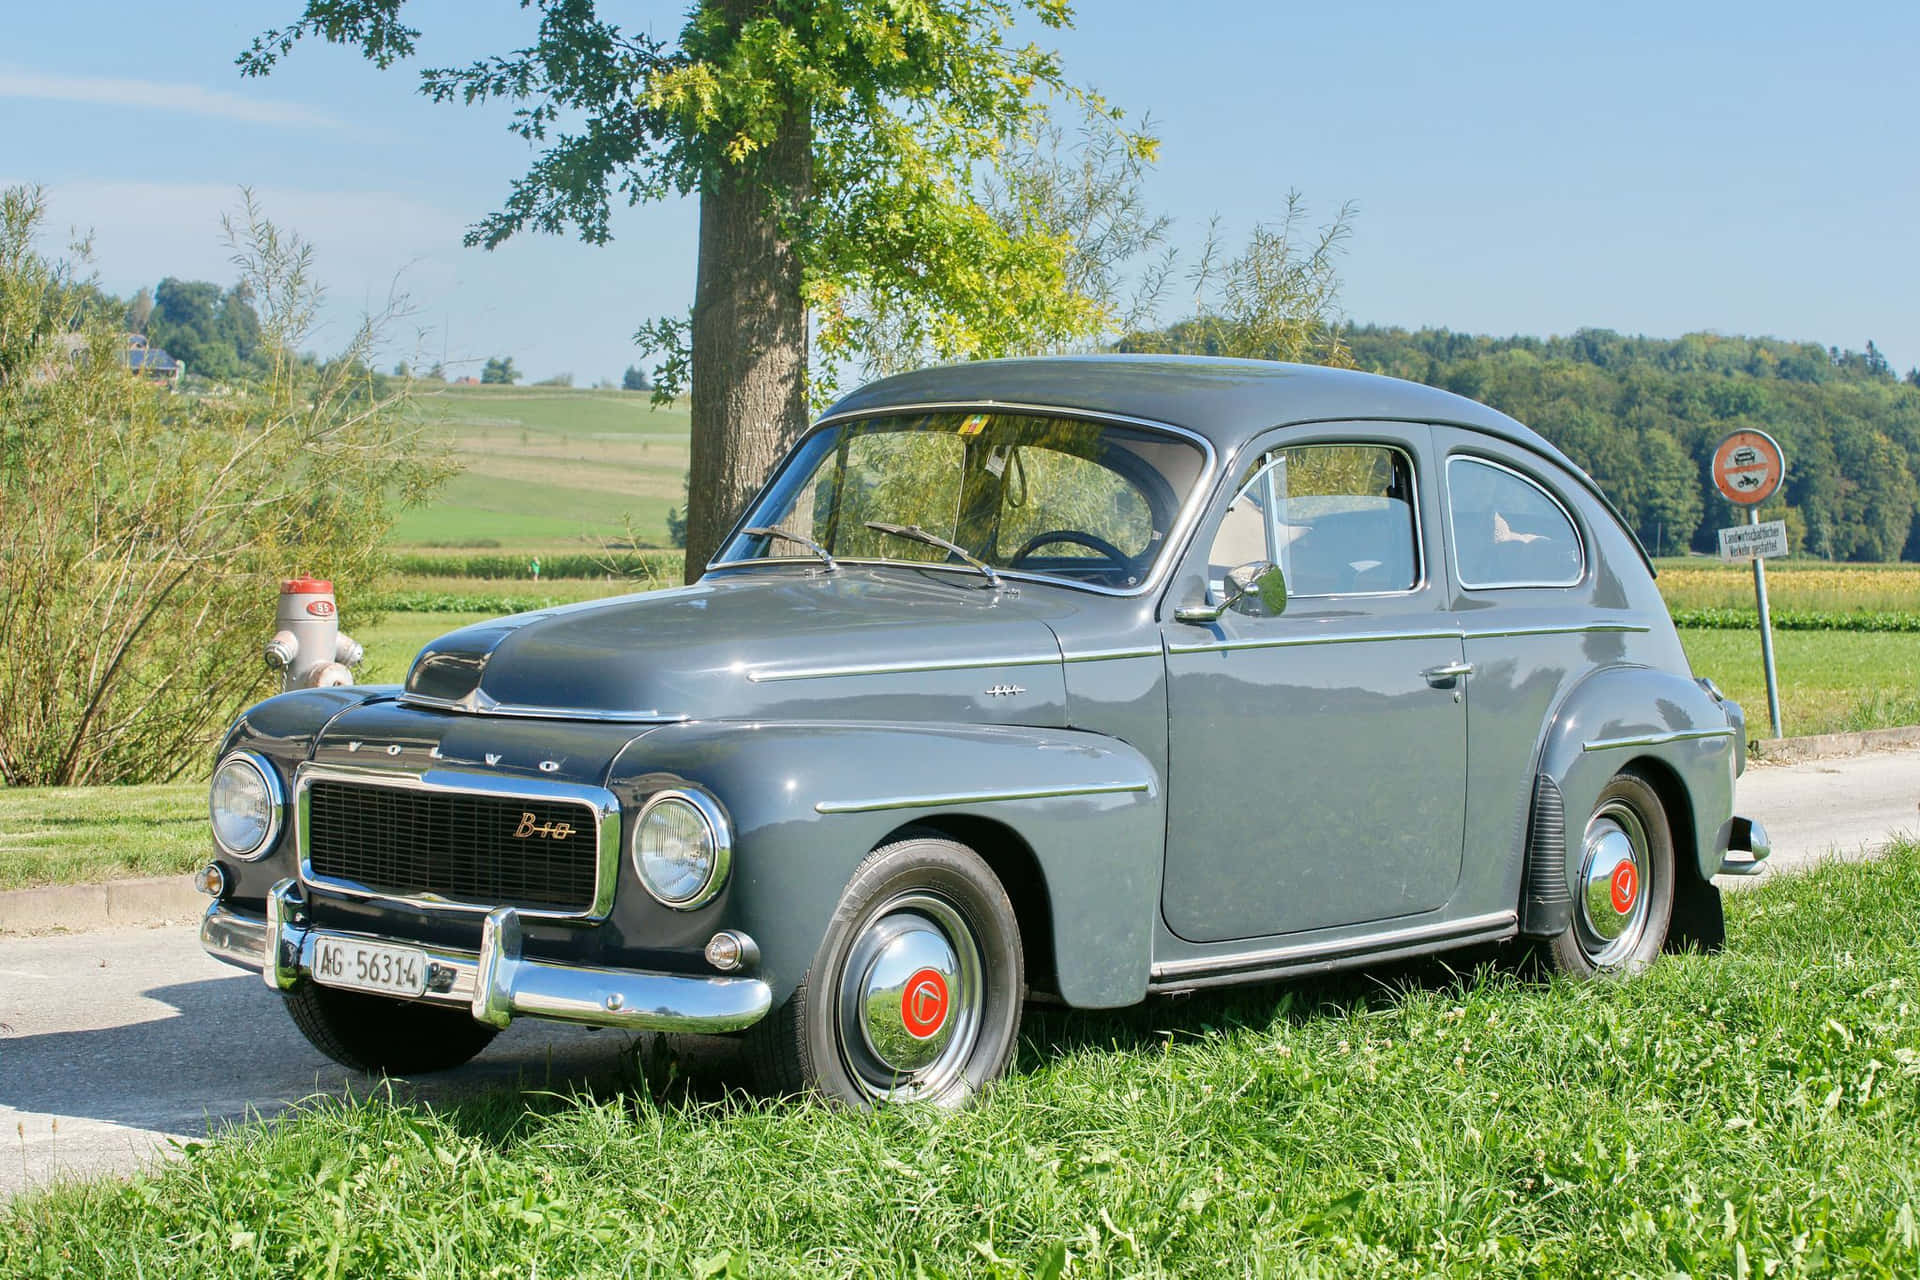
<point x="1085" y="678"/>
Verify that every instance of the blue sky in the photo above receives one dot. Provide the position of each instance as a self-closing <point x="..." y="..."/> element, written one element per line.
<point x="1528" y="167"/>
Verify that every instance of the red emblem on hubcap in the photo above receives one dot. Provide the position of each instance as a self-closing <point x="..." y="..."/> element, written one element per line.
<point x="923" y="1004"/>
<point x="1626" y="887"/>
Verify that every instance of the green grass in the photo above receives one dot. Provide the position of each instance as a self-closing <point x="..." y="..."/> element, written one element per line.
<point x="81" y="835"/>
<point x="1830" y="681"/>
<point x="1746" y="1114"/>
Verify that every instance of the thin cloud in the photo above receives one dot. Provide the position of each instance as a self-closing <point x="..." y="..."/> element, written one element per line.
<point x="155" y="95"/>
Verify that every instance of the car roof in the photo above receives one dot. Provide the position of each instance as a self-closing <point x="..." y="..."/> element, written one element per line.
<point x="1226" y="401"/>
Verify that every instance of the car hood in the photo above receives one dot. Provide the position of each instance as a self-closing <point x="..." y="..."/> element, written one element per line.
<point x="890" y="643"/>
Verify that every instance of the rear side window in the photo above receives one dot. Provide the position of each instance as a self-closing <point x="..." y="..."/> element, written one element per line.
<point x="1507" y="530"/>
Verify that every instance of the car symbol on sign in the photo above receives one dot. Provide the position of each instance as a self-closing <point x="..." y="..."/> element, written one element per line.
<point x="1746" y="456"/>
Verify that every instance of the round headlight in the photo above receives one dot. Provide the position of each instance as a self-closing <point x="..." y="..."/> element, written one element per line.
<point x="681" y="848"/>
<point x="246" y="805"/>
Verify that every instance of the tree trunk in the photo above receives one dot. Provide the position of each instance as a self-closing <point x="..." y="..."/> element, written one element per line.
<point x="749" y="340"/>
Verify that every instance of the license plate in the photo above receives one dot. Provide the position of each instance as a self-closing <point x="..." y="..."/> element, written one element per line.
<point x="369" y="966"/>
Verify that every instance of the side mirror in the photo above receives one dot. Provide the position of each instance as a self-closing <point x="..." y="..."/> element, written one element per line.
<point x="1258" y="582"/>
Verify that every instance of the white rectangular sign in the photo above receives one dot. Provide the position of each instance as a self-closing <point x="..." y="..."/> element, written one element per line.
<point x="1754" y="541"/>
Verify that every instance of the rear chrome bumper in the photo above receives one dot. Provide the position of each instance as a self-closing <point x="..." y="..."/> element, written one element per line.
<point x="1747" y="848"/>
<point x="498" y="983"/>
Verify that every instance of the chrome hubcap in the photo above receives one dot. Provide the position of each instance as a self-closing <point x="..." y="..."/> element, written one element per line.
<point x="1613" y="884"/>
<point x="909" y="997"/>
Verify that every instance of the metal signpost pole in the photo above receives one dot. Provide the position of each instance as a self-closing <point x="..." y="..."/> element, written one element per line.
<point x="1766" y="632"/>
<point x="1748" y="467"/>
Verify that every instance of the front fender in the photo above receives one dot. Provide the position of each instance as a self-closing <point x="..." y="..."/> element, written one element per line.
<point x="283" y="728"/>
<point x="809" y="800"/>
<point x="1620" y="715"/>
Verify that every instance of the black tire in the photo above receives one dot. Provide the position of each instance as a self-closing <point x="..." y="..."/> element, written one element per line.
<point x="385" y="1037"/>
<point x="904" y="902"/>
<point x="1619" y="922"/>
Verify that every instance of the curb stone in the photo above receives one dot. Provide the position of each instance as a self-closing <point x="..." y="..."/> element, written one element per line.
<point x="80" y="907"/>
<point x="1824" y="746"/>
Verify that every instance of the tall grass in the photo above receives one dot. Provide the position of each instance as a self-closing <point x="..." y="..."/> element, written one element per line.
<point x="1747" y="1114"/>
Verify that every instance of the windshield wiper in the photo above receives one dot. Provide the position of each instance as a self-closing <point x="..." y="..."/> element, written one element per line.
<point x="914" y="533"/>
<point x="768" y="531"/>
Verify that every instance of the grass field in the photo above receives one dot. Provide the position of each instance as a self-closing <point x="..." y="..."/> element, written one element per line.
<point x="550" y="466"/>
<point x="1748" y="1114"/>
<point x="79" y="835"/>
<point x="1830" y="681"/>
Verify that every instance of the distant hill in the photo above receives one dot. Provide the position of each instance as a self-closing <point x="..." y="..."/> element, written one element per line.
<point x="1642" y="415"/>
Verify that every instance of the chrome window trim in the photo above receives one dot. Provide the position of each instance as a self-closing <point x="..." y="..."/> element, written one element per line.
<point x="1171" y="546"/>
<point x="975" y="797"/>
<point x="606" y="832"/>
<point x="1303" y="951"/>
<point x="1655" y="739"/>
<point x="1453" y="533"/>
<point x="719" y="829"/>
<point x="1424" y="578"/>
<point x="483" y="706"/>
<point x="276" y="795"/>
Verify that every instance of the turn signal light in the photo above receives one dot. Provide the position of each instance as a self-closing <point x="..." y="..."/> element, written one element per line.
<point x="729" y="950"/>
<point x="212" y="880"/>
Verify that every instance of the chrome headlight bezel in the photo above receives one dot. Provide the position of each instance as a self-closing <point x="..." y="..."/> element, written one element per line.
<point x="276" y="795"/>
<point x="719" y="842"/>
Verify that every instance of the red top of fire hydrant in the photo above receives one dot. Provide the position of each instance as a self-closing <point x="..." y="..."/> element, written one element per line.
<point x="304" y="586"/>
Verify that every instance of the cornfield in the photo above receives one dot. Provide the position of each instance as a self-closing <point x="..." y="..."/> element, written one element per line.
<point x="1796" y="587"/>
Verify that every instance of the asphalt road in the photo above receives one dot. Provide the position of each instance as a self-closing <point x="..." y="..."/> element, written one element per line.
<point x="115" y="1044"/>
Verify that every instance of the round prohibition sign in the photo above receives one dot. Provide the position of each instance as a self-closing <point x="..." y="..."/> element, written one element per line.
<point x="1748" y="467"/>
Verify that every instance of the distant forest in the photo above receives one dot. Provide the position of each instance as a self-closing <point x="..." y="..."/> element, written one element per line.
<point x="1642" y="415"/>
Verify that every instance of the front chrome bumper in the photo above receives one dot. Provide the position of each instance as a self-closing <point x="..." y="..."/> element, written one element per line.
<point x="1747" y="848"/>
<point x="498" y="983"/>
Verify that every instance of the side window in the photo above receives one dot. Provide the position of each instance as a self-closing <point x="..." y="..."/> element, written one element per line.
<point x="1507" y="530"/>
<point x="1338" y="519"/>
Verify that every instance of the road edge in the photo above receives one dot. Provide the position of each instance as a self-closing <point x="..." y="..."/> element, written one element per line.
<point x="1824" y="746"/>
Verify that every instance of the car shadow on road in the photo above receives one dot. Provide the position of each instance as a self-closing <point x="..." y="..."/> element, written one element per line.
<point x="228" y="1051"/>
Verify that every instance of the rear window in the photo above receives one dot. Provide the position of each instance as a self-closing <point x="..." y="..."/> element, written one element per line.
<point x="1508" y="531"/>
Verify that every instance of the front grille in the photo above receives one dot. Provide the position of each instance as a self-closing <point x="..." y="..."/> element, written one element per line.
<point x="454" y="845"/>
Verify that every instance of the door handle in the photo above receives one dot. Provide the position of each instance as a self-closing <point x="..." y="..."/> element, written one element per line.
<point x="1447" y="673"/>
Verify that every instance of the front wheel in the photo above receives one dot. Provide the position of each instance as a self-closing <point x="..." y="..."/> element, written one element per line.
<point x="1623" y="895"/>
<point x="385" y="1037"/>
<point x="915" y="992"/>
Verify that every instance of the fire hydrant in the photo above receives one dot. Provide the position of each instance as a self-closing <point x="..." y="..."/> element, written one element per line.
<point x="309" y="649"/>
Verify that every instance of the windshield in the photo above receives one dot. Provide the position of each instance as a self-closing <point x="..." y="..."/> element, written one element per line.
<point x="1089" y="502"/>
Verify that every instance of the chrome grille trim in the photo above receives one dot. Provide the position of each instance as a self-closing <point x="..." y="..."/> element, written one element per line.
<point x="603" y="803"/>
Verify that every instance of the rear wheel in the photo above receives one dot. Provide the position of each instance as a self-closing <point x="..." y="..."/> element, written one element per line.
<point x="1623" y="895"/>
<point x="915" y="992"/>
<point x="385" y="1037"/>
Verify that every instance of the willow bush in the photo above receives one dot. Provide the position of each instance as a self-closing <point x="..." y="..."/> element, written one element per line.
<point x="143" y="530"/>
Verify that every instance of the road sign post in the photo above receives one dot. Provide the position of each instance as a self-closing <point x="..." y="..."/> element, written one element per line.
<point x="1748" y="467"/>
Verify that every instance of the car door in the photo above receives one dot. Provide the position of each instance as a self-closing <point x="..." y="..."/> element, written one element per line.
<point x="1317" y="754"/>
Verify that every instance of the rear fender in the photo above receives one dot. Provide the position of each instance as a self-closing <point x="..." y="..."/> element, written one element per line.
<point x="809" y="800"/>
<point x="1622" y="716"/>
